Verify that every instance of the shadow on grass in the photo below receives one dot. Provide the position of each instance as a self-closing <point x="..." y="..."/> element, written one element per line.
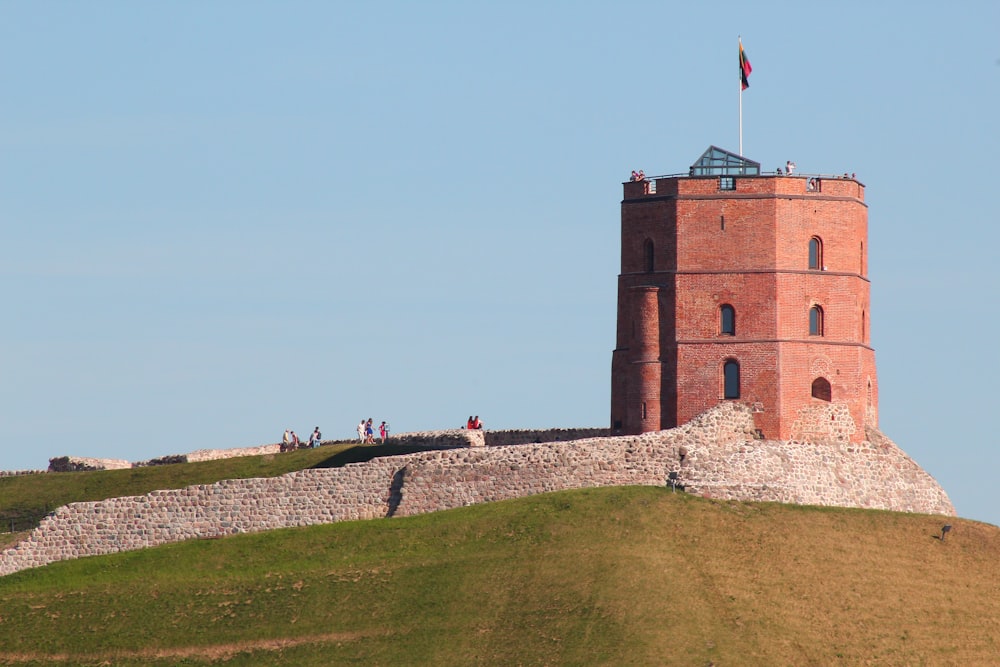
<point x="363" y="453"/>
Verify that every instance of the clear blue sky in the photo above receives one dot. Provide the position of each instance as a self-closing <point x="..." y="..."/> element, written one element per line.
<point x="225" y="219"/>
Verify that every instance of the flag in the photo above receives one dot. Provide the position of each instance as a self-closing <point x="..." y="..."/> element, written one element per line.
<point x="745" y="68"/>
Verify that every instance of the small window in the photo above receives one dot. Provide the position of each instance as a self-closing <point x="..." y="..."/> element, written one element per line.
<point x="727" y="183"/>
<point x="821" y="389"/>
<point x="731" y="379"/>
<point x="648" y="255"/>
<point x="815" y="321"/>
<point x="644" y="409"/>
<point x="815" y="253"/>
<point x="727" y="317"/>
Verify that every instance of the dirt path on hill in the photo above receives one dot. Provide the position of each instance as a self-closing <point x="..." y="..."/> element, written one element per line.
<point x="211" y="652"/>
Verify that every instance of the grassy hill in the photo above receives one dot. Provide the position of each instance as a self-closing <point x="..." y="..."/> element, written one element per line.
<point x="620" y="576"/>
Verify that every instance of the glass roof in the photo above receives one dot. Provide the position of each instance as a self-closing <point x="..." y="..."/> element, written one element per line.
<point x="717" y="162"/>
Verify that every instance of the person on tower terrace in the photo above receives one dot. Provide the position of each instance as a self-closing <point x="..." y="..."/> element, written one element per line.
<point x="315" y="438"/>
<point x="286" y="441"/>
<point x="361" y="431"/>
<point x="383" y="431"/>
<point x="789" y="167"/>
<point x="468" y="424"/>
<point x="476" y="424"/>
<point x="369" y="432"/>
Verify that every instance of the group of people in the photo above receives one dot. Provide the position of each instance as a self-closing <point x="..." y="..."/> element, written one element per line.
<point x="638" y="175"/>
<point x="366" y="432"/>
<point x="290" y="441"/>
<point x="474" y="423"/>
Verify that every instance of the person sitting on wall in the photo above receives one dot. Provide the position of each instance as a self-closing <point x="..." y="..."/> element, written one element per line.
<point x="476" y="424"/>
<point x="469" y="424"/>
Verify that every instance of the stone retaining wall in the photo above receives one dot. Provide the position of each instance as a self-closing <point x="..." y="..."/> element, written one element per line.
<point x="714" y="455"/>
<point x="528" y="436"/>
<point x="216" y="454"/>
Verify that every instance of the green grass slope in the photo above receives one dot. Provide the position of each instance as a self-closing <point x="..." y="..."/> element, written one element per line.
<point x="619" y="576"/>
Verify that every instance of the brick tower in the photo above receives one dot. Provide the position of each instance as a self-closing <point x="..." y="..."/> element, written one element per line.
<point x="738" y="285"/>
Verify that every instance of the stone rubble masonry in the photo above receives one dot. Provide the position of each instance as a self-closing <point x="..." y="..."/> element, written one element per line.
<point x="444" y="439"/>
<point x="714" y="455"/>
<point x="216" y="454"/>
<point x="85" y="463"/>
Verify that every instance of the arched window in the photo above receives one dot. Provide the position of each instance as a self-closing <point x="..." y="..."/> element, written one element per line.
<point x="815" y="253"/>
<point x="821" y="389"/>
<point x="647" y="255"/>
<point x="727" y="317"/>
<point x="815" y="321"/>
<point x="731" y="379"/>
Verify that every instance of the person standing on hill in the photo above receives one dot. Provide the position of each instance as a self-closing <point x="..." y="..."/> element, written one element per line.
<point x="315" y="438"/>
<point x="286" y="441"/>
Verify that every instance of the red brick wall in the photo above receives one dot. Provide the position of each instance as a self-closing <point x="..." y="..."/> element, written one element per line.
<point x="748" y="248"/>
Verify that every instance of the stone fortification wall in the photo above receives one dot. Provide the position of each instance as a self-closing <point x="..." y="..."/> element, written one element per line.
<point x="528" y="436"/>
<point x="216" y="454"/>
<point x="460" y="437"/>
<point x="443" y="480"/>
<point x="75" y="463"/>
<point x="303" y="498"/>
<point x="445" y="439"/>
<point x="16" y="473"/>
<point x="873" y="474"/>
<point x="713" y="455"/>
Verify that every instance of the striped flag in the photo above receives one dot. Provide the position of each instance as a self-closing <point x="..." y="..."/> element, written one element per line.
<point x="745" y="68"/>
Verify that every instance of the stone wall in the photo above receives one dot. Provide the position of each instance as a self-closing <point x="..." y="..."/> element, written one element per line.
<point x="460" y="437"/>
<point x="216" y="454"/>
<point x="75" y="463"/>
<point x="446" y="439"/>
<point x="528" y="436"/>
<point x="714" y="455"/>
<point x="17" y="473"/>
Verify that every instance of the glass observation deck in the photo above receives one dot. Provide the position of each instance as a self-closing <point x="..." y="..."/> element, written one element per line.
<point x="718" y="162"/>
